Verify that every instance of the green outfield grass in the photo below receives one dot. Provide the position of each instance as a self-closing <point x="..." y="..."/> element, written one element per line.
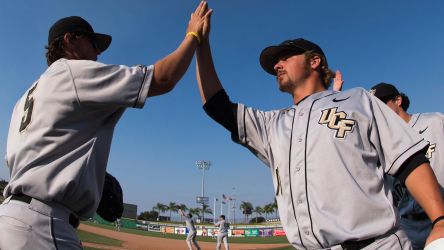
<point x="246" y="240"/>
<point x="97" y="239"/>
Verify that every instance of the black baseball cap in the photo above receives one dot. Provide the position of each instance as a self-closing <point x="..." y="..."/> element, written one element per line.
<point x="76" y="24"/>
<point x="384" y="91"/>
<point x="270" y="55"/>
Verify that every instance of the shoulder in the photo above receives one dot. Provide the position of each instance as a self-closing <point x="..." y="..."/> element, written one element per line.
<point x="85" y="64"/>
<point x="359" y="92"/>
<point x="243" y="109"/>
<point x="432" y="117"/>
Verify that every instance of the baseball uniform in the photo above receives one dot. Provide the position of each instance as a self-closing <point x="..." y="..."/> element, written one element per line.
<point x="222" y="236"/>
<point x="413" y="218"/>
<point x="328" y="155"/>
<point x="191" y="237"/>
<point x="58" y="145"/>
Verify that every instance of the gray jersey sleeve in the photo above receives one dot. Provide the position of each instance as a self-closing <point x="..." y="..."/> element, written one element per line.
<point x="98" y="84"/>
<point x="393" y="139"/>
<point x="431" y="127"/>
<point x="253" y="131"/>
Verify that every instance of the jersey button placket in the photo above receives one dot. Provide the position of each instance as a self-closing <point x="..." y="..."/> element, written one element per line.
<point x="298" y="173"/>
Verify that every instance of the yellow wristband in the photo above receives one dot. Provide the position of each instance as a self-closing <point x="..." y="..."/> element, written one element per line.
<point x="192" y="33"/>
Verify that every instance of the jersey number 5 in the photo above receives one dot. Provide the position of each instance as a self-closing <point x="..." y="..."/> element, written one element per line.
<point x="29" y="105"/>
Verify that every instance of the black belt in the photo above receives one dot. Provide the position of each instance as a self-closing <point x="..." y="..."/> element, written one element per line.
<point x="420" y="216"/>
<point x="73" y="220"/>
<point x="356" y="245"/>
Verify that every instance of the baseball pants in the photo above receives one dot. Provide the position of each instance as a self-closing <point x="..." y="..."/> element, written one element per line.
<point x="191" y="240"/>
<point x="392" y="241"/>
<point x="222" y="237"/>
<point x="35" y="226"/>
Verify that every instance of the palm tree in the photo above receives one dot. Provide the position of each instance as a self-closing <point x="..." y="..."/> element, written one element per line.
<point x="275" y="207"/>
<point x="205" y="210"/>
<point x="172" y="207"/>
<point x="160" y="207"/>
<point x="194" y="211"/>
<point x="182" y="207"/>
<point x="268" y="209"/>
<point x="258" y="210"/>
<point x="247" y="209"/>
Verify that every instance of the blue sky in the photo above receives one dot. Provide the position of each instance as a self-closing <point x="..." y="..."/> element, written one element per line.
<point x="154" y="149"/>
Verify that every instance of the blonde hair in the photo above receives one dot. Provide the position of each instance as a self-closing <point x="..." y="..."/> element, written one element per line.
<point x="326" y="74"/>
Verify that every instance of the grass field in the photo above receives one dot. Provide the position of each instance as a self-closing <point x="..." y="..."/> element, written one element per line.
<point x="97" y="239"/>
<point x="246" y="240"/>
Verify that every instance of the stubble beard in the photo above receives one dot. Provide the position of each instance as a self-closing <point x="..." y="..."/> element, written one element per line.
<point x="288" y="86"/>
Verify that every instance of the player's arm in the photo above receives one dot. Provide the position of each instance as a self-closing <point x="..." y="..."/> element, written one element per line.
<point x="424" y="187"/>
<point x="207" y="79"/>
<point x="216" y="102"/>
<point x="182" y="213"/>
<point x="169" y="70"/>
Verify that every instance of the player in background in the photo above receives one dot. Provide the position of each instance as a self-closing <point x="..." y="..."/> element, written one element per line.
<point x="118" y="224"/>
<point x="325" y="152"/>
<point x="222" y="236"/>
<point x="191" y="237"/>
<point x="61" y="131"/>
<point x="430" y="126"/>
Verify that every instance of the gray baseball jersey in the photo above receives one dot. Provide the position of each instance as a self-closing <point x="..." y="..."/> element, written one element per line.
<point x="223" y="226"/>
<point x="328" y="155"/>
<point x="431" y="127"/>
<point x="61" y="130"/>
<point x="190" y="224"/>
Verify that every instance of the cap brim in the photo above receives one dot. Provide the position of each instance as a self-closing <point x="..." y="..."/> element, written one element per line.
<point x="103" y="41"/>
<point x="270" y="56"/>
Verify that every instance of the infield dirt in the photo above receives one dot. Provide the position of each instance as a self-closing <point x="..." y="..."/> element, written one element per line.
<point x="139" y="242"/>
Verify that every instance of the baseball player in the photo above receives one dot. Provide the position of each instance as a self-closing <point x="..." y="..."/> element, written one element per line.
<point x="191" y="237"/>
<point x="327" y="153"/>
<point x="223" y="233"/>
<point x="61" y="130"/>
<point x="414" y="220"/>
<point x="118" y="224"/>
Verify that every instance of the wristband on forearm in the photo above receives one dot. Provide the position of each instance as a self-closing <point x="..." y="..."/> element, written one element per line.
<point x="195" y="35"/>
<point x="440" y="218"/>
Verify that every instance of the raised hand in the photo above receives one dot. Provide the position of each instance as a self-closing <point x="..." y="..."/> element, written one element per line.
<point x="338" y="81"/>
<point x="207" y="25"/>
<point x="198" y="19"/>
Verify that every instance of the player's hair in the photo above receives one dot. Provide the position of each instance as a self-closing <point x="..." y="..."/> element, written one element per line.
<point x="222" y="216"/>
<point x="326" y="74"/>
<point x="190" y="215"/>
<point x="405" y="101"/>
<point x="55" y="50"/>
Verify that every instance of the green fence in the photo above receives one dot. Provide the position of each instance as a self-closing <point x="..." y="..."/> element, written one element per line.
<point x="124" y="222"/>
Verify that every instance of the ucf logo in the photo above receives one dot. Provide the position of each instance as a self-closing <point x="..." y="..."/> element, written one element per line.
<point x="337" y="121"/>
<point x="430" y="150"/>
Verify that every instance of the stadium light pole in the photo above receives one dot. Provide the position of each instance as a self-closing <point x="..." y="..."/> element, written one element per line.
<point x="203" y="165"/>
<point x="234" y="205"/>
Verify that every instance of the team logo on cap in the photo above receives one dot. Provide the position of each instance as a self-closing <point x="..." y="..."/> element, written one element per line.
<point x="337" y="121"/>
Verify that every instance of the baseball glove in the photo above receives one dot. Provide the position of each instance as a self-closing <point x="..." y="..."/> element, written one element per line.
<point x="111" y="203"/>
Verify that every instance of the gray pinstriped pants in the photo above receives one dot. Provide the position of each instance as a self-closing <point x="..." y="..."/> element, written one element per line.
<point x="35" y="226"/>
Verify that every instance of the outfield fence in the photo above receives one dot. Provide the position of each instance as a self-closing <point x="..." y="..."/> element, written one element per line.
<point x="212" y="231"/>
<point x="202" y="230"/>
